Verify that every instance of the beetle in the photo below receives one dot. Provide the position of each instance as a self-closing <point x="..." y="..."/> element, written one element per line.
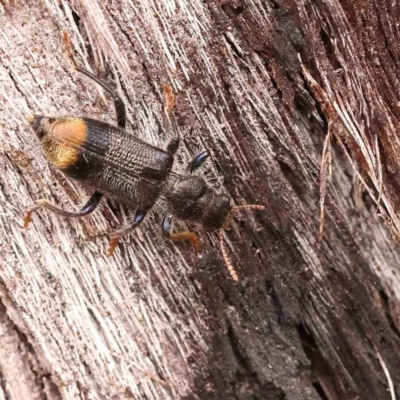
<point x="111" y="161"/>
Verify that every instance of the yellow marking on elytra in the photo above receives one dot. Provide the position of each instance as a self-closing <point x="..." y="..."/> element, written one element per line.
<point x="61" y="146"/>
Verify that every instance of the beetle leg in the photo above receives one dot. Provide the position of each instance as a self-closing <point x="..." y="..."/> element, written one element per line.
<point x="120" y="110"/>
<point x="198" y="161"/>
<point x="116" y="235"/>
<point x="170" y="123"/>
<point x="119" y="105"/>
<point x="184" y="235"/>
<point x="173" y="145"/>
<point x="86" y="209"/>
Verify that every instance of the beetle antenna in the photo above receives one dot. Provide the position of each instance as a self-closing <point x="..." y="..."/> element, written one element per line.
<point x="224" y="251"/>
<point x="227" y="260"/>
<point x="248" y="207"/>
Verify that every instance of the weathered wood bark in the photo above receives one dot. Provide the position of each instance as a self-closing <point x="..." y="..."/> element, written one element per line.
<point x="261" y="84"/>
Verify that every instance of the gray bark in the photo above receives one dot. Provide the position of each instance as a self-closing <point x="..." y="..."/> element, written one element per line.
<point x="262" y="85"/>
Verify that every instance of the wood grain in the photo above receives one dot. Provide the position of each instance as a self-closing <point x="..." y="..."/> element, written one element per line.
<point x="257" y="83"/>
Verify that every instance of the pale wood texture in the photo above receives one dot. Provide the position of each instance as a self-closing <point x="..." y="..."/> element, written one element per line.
<point x="257" y="83"/>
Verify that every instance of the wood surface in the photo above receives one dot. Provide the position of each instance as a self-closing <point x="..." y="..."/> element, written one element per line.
<point x="298" y="102"/>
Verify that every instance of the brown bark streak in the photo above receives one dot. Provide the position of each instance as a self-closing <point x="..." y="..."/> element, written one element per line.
<point x="307" y="319"/>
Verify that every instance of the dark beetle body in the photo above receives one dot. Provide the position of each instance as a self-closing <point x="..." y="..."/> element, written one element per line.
<point x="190" y="199"/>
<point x="118" y="164"/>
<point x="113" y="162"/>
<point x="105" y="158"/>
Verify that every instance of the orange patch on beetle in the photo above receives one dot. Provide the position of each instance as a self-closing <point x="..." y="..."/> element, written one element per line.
<point x="62" y="145"/>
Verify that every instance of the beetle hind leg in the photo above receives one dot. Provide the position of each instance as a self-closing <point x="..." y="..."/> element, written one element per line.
<point x="86" y="209"/>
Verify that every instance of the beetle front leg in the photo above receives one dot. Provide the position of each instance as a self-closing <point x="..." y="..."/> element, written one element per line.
<point x="197" y="161"/>
<point x="86" y="209"/>
<point x="184" y="235"/>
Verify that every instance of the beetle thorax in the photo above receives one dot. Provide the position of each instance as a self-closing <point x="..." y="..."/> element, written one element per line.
<point x="191" y="199"/>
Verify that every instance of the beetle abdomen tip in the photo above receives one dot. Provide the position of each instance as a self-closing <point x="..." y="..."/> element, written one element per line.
<point x="69" y="135"/>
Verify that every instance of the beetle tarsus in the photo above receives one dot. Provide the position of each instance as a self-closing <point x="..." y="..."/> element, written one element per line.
<point x="117" y="234"/>
<point x="28" y="218"/>
<point x="180" y="236"/>
<point x="186" y="235"/>
<point x="112" y="244"/>
<point x="86" y="209"/>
